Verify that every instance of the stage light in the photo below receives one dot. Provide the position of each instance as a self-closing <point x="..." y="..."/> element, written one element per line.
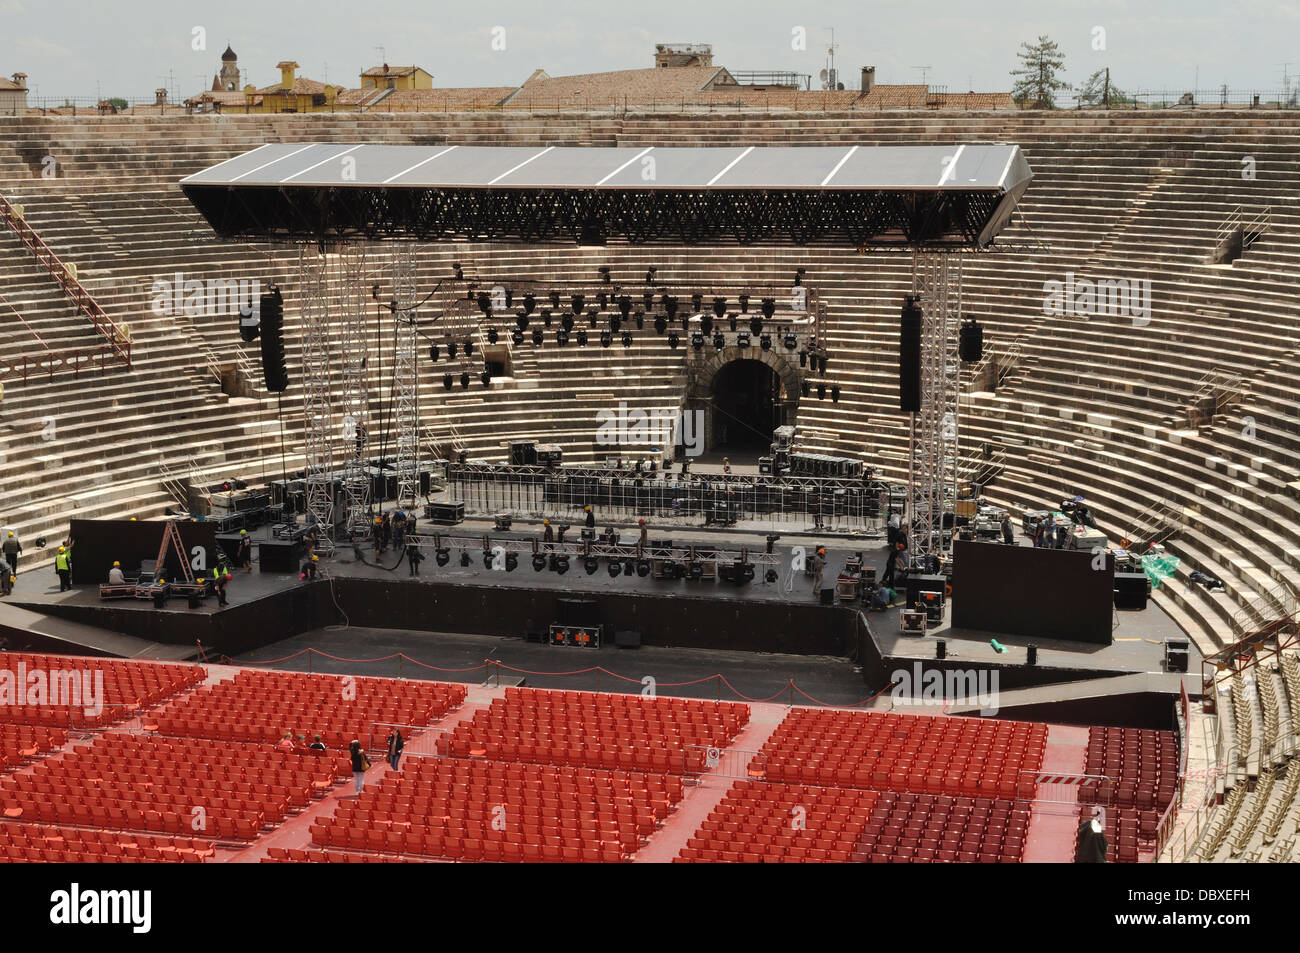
<point x="561" y="337"/>
<point x="706" y="323"/>
<point x="697" y="303"/>
<point x="487" y="559"/>
<point x="673" y="340"/>
<point x="643" y="567"/>
<point x="803" y="358"/>
<point x="464" y="380"/>
<point x="539" y="562"/>
<point x="592" y="315"/>
<point x="697" y="340"/>
<point x="695" y="570"/>
<point x="756" y="325"/>
<point x="469" y="347"/>
<point x="765" y="341"/>
<point x="648" y="301"/>
<point x="615" y="323"/>
<point x="602" y="299"/>
<point x="661" y="324"/>
<point x="821" y="390"/>
<point x="591" y="564"/>
<point x="566" y="322"/>
<point x="537" y="337"/>
<point x="603" y="271"/>
<point x="555" y="301"/>
<point x="640" y="320"/>
<point x="627" y="339"/>
<point x="492" y="335"/>
<point x="451" y="350"/>
<point x="464" y="558"/>
<point x="510" y="297"/>
<point x="521" y="322"/>
<point x="512" y="562"/>
<point x="614" y="568"/>
<point x="791" y="340"/>
<point x="517" y="338"/>
<point x="446" y="381"/>
<point x="606" y="338"/>
<point x="719" y="342"/>
<point x="731" y="321"/>
<point x="798" y="277"/>
<point x="530" y="303"/>
<point x="582" y="337"/>
<point x="546" y="316"/>
<point x="577" y="300"/>
<point x="460" y="274"/>
<point x="719" y="306"/>
<point x="650" y="275"/>
<point x="835" y="393"/>
<point x="442" y="555"/>
<point x="433" y="353"/>
<point x="485" y="303"/>
<point x="744" y="304"/>
<point x="742" y="339"/>
<point x="561" y="564"/>
<point x="769" y="307"/>
<point x="770" y="576"/>
<point x="624" y="306"/>
<point x="670" y="306"/>
<point x="486" y="378"/>
<point x="805" y="388"/>
<point x="821" y="365"/>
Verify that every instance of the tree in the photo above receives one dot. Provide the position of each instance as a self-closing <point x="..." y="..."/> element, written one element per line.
<point x="1037" y="80"/>
<point x="1098" y="90"/>
<point x="119" y="102"/>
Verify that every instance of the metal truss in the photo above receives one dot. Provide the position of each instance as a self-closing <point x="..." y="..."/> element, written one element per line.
<point x="406" y="386"/>
<point x="932" y="465"/>
<point x="313" y="280"/>
<point x="855" y="218"/>
<point x="354" y="398"/>
<point x="594" y="548"/>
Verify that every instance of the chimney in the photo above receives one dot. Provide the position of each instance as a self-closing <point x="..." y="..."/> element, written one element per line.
<point x="286" y="68"/>
<point x="868" y="79"/>
<point x="160" y="96"/>
<point x="20" y="80"/>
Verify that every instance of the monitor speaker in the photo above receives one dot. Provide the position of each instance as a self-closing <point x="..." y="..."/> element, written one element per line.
<point x="1130" y="590"/>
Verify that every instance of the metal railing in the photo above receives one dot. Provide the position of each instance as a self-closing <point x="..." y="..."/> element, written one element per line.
<point x="117" y="336"/>
<point x="722" y="762"/>
<point x="418" y="741"/>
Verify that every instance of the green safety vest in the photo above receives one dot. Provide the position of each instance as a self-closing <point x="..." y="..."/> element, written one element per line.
<point x="63" y="561"/>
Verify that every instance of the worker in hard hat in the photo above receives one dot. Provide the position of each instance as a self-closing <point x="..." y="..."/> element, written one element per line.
<point x="6" y="578"/>
<point x="548" y="534"/>
<point x="10" y="549"/>
<point x="309" y="569"/>
<point x="244" y="557"/>
<point x="591" y="518"/>
<point x="115" y="576"/>
<point x="63" y="566"/>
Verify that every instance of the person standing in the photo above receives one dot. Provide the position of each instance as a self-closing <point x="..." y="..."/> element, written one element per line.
<point x="591" y="519"/>
<point x="819" y="569"/>
<point x="548" y="534"/>
<point x="63" y="566"/>
<point x="10" y="549"/>
<point x="413" y="557"/>
<point x="6" y="578"/>
<point x="1008" y="536"/>
<point x="395" y="745"/>
<point x="644" y="541"/>
<point x="245" y="555"/>
<point x="359" y="765"/>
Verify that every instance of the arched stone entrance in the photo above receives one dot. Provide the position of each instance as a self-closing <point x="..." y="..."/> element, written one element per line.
<point x="744" y="394"/>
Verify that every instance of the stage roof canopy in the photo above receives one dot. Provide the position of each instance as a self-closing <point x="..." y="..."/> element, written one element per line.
<point x="955" y="196"/>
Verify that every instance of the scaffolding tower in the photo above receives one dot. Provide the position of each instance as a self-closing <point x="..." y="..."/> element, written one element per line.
<point x="406" y="385"/>
<point x="932" y="464"/>
<point x="314" y="281"/>
<point x="354" y="398"/>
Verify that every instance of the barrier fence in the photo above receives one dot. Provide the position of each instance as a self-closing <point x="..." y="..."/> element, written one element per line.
<point x="418" y="741"/>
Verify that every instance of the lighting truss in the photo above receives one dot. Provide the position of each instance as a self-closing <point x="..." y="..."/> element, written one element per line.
<point x="406" y="393"/>
<point x="354" y="398"/>
<point x="313" y="280"/>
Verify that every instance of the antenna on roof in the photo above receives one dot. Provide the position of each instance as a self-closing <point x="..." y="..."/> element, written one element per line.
<point x="925" y="73"/>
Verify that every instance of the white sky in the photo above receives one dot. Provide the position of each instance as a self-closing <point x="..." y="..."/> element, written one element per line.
<point x="126" y="48"/>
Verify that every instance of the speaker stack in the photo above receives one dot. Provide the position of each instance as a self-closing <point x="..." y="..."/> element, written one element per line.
<point x="909" y="356"/>
<point x="272" y="329"/>
<point x="970" y="342"/>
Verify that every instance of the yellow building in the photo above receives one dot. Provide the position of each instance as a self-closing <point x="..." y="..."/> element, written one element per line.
<point x="396" y="77"/>
<point x="293" y="94"/>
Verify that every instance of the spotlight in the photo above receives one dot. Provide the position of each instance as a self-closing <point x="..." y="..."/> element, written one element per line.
<point x="673" y="340"/>
<point x="706" y="323"/>
<point x="765" y="341"/>
<point x="614" y="568"/>
<point x="770" y="576"/>
<point x="695" y="570"/>
<point x="492" y="335"/>
<point x="555" y="301"/>
<point x="821" y="365"/>
<point x="561" y="564"/>
<point x="451" y="350"/>
<point x="791" y="340"/>
<point x="821" y="390"/>
<point x="487" y="559"/>
<point x="629" y="567"/>
<point x="517" y="338"/>
<point x="510" y="297"/>
<point x="539" y="562"/>
<point x="606" y="338"/>
<point x="805" y="388"/>
<point x="670" y="306"/>
<point x="650" y="275"/>
<point x="433" y="353"/>
<point x="803" y="358"/>
<point x="731" y="321"/>
<point x="661" y="324"/>
<point x="546" y="316"/>
<point x="643" y="567"/>
<point x="469" y="347"/>
<point x="744" y="304"/>
<point x="464" y="558"/>
<point x="566" y="322"/>
<point x="697" y="340"/>
<point x="512" y="562"/>
<point x="592" y="315"/>
<point x="603" y="271"/>
<point x="755" y="325"/>
<point x="615" y="323"/>
<point x="486" y="378"/>
<point x="742" y="339"/>
<point x="697" y="303"/>
<point x="640" y="320"/>
<point x="521" y="322"/>
<point x="769" y="307"/>
<point x="627" y="339"/>
<point x="602" y="299"/>
<point x="582" y="337"/>
<point x="624" y="306"/>
<point x="648" y="301"/>
<point x="485" y="303"/>
<point x="561" y="337"/>
<point x="530" y="303"/>
<point x="446" y="381"/>
<point x="577" y="300"/>
<point x="719" y="306"/>
<point x="442" y="555"/>
<point x="464" y="380"/>
<point x="591" y="564"/>
<point x="719" y="342"/>
<point x="835" y="393"/>
<point x="537" y="337"/>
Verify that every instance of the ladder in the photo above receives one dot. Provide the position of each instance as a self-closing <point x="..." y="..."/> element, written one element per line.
<point x="172" y="537"/>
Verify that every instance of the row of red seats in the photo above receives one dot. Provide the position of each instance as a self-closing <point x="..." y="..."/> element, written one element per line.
<point x="1142" y="765"/>
<point x="26" y="843"/>
<point x="127" y="687"/>
<point x="21" y="743"/>
<point x="279" y="855"/>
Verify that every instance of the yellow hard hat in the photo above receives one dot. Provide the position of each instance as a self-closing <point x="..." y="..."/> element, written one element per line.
<point x="11" y="532"/>
<point x="132" y="519"/>
<point x="62" y="550"/>
<point x="546" y="522"/>
<point x="116" y="563"/>
<point x="314" y="557"/>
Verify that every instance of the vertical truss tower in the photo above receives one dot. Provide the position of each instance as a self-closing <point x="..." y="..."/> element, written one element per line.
<point x="406" y="386"/>
<point x="355" y="429"/>
<point x="313" y="276"/>
<point x="932" y="467"/>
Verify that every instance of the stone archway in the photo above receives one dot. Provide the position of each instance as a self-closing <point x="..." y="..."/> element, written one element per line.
<point x="702" y="372"/>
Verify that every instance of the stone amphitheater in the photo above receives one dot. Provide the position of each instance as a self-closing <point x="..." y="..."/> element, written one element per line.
<point x="1186" y="420"/>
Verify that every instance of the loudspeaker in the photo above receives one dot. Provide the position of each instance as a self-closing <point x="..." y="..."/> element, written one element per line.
<point x="577" y="612"/>
<point x="1130" y="590"/>
<point x="909" y="356"/>
<point x="919" y="584"/>
<point x="272" y="328"/>
<point x="970" y="341"/>
<point x="277" y="556"/>
<point x="628" y="639"/>
<point x="828" y="596"/>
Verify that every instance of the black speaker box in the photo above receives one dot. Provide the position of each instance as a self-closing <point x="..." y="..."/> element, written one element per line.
<point x="277" y="556"/>
<point x="828" y="596"/>
<point x="919" y="584"/>
<point x="909" y="357"/>
<point x="1130" y="590"/>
